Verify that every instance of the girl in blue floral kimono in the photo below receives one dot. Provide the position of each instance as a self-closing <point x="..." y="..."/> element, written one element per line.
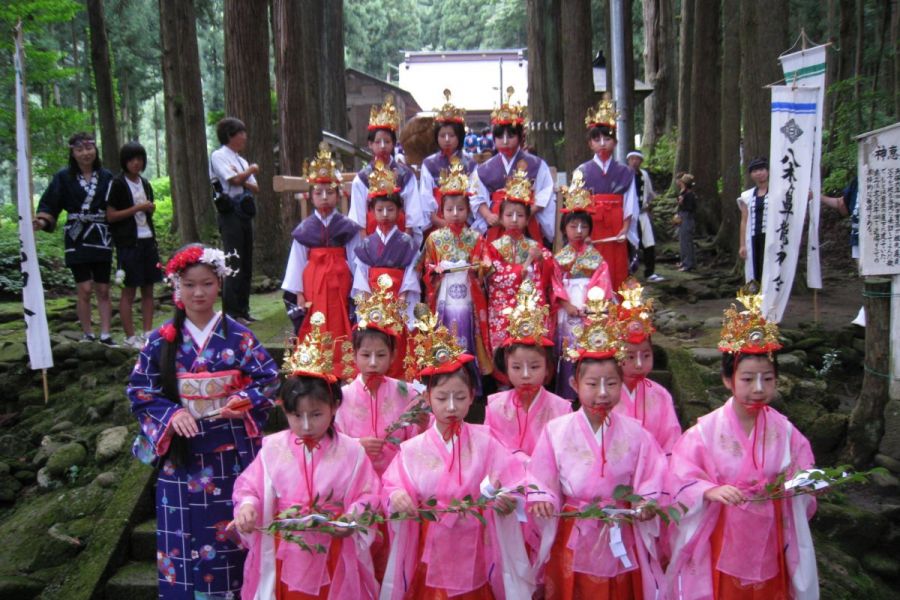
<point x="200" y="390"/>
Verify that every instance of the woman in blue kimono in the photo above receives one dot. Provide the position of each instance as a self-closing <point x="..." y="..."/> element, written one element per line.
<point x="201" y="391"/>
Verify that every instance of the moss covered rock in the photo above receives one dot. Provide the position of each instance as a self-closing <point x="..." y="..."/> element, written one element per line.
<point x="66" y="456"/>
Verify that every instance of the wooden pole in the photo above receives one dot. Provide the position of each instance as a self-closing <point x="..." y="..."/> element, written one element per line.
<point x="815" y="306"/>
<point x="46" y="386"/>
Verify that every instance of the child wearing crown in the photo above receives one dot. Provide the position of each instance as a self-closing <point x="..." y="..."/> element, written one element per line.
<point x="450" y="269"/>
<point x="451" y="554"/>
<point x="508" y="127"/>
<point x="512" y="258"/>
<point x="311" y="469"/>
<point x="613" y="193"/>
<point x="449" y="132"/>
<point x="201" y="391"/>
<point x="319" y="272"/>
<point x="384" y="123"/>
<point x="579" y="461"/>
<point x="577" y="267"/>
<point x="735" y="541"/>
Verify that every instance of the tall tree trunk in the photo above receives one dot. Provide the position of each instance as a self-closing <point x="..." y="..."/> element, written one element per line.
<point x="705" y="108"/>
<point x="730" y="149"/>
<point x="296" y="31"/>
<point x="575" y="17"/>
<point x="859" y="17"/>
<point x="846" y="60"/>
<point x="248" y="97"/>
<point x="763" y="38"/>
<point x="545" y="81"/>
<point x="332" y="79"/>
<point x="882" y="38"/>
<point x="628" y="109"/>
<point x="895" y="53"/>
<point x="685" y="64"/>
<point x="188" y="163"/>
<point x="106" y="104"/>
<point x="659" y="67"/>
<point x="76" y="64"/>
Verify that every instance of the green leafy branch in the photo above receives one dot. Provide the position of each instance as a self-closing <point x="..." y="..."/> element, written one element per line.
<point x="412" y="416"/>
<point x="612" y="512"/>
<point x="814" y="481"/>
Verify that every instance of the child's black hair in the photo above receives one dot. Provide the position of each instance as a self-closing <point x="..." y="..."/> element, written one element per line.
<point x="395" y="198"/>
<point x="129" y="151"/>
<point x="498" y="130"/>
<point x="502" y="353"/>
<point x="595" y="132"/>
<point x="360" y="334"/>
<point x="525" y="206"/>
<point x="227" y="128"/>
<point x="295" y="387"/>
<point x="575" y="216"/>
<point x="370" y="136"/>
<point x="78" y="138"/>
<point x="464" y="372"/>
<point x="731" y="361"/>
<point x="583" y="363"/>
<point x="458" y="129"/>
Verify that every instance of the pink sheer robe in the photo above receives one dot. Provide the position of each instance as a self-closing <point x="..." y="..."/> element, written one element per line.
<point x="362" y="415"/>
<point x="717" y="451"/>
<point x="568" y="468"/>
<point x="275" y="481"/>
<point x="518" y="429"/>
<point x="461" y="556"/>
<point x="651" y="404"/>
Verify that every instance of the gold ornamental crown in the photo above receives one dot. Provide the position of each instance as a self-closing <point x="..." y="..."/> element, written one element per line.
<point x="603" y="114"/>
<point x="433" y="348"/>
<point x="507" y="114"/>
<point x="385" y="116"/>
<point x="382" y="180"/>
<point x="323" y="168"/>
<point x="312" y="356"/>
<point x="747" y="331"/>
<point x="598" y="336"/>
<point x="381" y="310"/>
<point x="454" y="181"/>
<point x="635" y="313"/>
<point x="449" y="113"/>
<point x="576" y="197"/>
<point x="526" y="320"/>
<point x="518" y="185"/>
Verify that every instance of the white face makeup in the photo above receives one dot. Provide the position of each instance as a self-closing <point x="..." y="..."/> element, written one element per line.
<point x="759" y="382"/>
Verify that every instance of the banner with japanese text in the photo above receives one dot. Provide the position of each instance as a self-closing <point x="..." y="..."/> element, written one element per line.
<point x="790" y="156"/>
<point x="879" y="201"/>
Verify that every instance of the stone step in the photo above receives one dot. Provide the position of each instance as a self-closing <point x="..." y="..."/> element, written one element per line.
<point x="143" y="541"/>
<point x="134" y="581"/>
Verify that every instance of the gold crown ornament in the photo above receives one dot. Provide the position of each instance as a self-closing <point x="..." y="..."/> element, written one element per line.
<point x="527" y="319"/>
<point x="449" y="113"/>
<point x="598" y="336"/>
<point x="433" y="349"/>
<point x="323" y="168"/>
<point x="313" y="356"/>
<point x="603" y="115"/>
<point x="382" y="180"/>
<point x="385" y="116"/>
<point x="381" y="310"/>
<point x="508" y="114"/>
<point x="747" y="331"/>
<point x="518" y="185"/>
<point x="454" y="181"/>
<point x="576" y="197"/>
<point x="635" y="313"/>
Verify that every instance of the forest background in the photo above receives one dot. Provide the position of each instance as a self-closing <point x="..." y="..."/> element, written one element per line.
<point x="164" y="71"/>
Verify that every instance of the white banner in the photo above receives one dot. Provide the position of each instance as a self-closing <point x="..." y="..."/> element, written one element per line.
<point x="790" y="156"/>
<point x="879" y="201"/>
<point x="37" y="334"/>
<point x="806" y="69"/>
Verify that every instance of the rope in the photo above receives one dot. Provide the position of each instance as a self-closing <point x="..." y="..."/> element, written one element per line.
<point x="869" y="369"/>
<point x="880" y="295"/>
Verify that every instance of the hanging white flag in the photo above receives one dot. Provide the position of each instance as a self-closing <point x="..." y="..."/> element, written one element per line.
<point x="806" y="69"/>
<point x="790" y="154"/>
<point x="37" y="334"/>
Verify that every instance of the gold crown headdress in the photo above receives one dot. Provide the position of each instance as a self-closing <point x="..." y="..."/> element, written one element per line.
<point x="433" y="348"/>
<point x="454" y="181"/>
<point x="527" y="319"/>
<point x="323" y="168"/>
<point x="576" y="197"/>
<point x="382" y="180"/>
<point x="603" y="115"/>
<point x="449" y="113"/>
<point x="385" y="116"/>
<point x="518" y="185"/>
<point x="508" y="114"/>
<point x="598" y="336"/>
<point x="381" y="310"/>
<point x="635" y="314"/>
<point x="313" y="356"/>
<point x="747" y="331"/>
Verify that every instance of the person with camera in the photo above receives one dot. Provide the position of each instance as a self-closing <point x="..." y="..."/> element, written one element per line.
<point x="234" y="180"/>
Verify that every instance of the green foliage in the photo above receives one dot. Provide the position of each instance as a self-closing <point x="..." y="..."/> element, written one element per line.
<point x="54" y="275"/>
<point x="661" y="161"/>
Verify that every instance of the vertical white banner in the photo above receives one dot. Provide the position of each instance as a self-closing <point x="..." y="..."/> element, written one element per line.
<point x="37" y="334"/>
<point x="806" y="69"/>
<point x="790" y="156"/>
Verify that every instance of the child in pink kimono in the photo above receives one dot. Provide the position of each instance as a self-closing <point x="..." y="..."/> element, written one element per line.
<point x="517" y="416"/>
<point x="579" y="461"/>
<point x="457" y="555"/>
<point x="643" y="399"/>
<point x="311" y="466"/>
<point x="734" y="542"/>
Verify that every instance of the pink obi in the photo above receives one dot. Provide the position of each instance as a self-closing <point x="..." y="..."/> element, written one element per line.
<point x="203" y="393"/>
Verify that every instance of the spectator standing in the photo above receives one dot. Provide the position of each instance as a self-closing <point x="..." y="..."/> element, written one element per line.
<point x="687" y="207"/>
<point x="646" y="241"/>
<point x="753" y="204"/>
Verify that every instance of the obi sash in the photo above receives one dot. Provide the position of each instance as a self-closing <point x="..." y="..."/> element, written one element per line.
<point x="203" y="393"/>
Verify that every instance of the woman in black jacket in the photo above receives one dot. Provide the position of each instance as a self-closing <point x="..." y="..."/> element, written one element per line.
<point x="687" y="207"/>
